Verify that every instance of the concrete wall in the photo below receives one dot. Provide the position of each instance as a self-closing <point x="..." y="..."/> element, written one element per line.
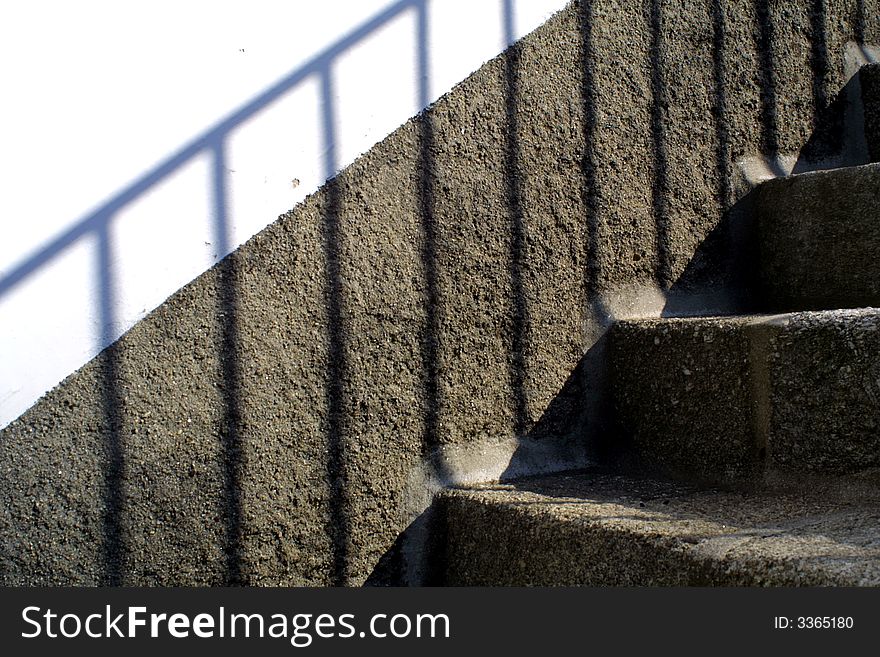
<point x="433" y="314"/>
<point x="145" y="143"/>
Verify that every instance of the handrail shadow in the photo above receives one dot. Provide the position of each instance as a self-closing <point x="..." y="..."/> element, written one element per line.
<point x="98" y="224"/>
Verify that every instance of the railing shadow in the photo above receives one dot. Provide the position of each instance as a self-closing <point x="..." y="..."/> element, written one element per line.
<point x="566" y="415"/>
<point x="99" y="225"/>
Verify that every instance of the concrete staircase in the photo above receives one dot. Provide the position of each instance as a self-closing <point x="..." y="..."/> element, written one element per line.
<point x="751" y="443"/>
<point x="438" y="315"/>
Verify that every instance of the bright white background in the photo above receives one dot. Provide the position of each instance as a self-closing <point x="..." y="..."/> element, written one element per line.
<point x="141" y="142"/>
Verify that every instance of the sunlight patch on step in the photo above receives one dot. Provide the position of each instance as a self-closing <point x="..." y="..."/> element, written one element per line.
<point x="857" y="55"/>
<point x="758" y="168"/>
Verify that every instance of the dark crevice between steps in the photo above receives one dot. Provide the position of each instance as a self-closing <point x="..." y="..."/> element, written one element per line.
<point x="719" y="278"/>
<point x="869" y="79"/>
<point x="423" y="541"/>
<point x="847" y="129"/>
<point x="579" y="419"/>
<point x="831" y="145"/>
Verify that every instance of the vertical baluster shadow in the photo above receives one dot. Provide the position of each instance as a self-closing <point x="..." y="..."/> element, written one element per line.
<point x="860" y="25"/>
<point x="731" y="236"/>
<point x="827" y="143"/>
<point x="517" y="255"/>
<point x="338" y="520"/>
<point x="425" y="192"/>
<point x="114" y="448"/>
<point x="417" y="556"/>
<point x="767" y="75"/>
<point x="727" y="247"/>
<point x="227" y="315"/>
<point x="720" y="109"/>
<point x="590" y="382"/>
<point x="819" y="59"/>
<point x="590" y="193"/>
<point x="719" y="274"/>
<point x="660" y="183"/>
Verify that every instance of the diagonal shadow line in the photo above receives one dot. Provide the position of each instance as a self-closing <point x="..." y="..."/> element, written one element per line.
<point x="518" y="238"/>
<point x="99" y="218"/>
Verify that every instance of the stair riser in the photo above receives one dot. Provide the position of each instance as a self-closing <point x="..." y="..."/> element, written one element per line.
<point x="723" y="400"/>
<point x="819" y="237"/>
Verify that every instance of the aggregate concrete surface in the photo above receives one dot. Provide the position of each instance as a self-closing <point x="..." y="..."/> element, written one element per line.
<point x="598" y="529"/>
<point x="819" y="239"/>
<point x="265" y="424"/>
<point x="737" y="398"/>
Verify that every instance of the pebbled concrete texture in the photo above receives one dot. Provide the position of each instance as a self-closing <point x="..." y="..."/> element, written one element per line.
<point x="751" y="399"/>
<point x="819" y="238"/>
<point x="683" y="391"/>
<point x="596" y="529"/>
<point x="286" y="416"/>
<point x="825" y="410"/>
<point x="869" y="77"/>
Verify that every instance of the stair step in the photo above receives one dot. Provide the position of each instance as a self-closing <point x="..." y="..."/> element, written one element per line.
<point x="819" y="239"/>
<point x="599" y="529"/>
<point x="720" y="399"/>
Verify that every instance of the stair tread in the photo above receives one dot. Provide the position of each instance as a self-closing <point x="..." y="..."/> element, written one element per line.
<point x="599" y="529"/>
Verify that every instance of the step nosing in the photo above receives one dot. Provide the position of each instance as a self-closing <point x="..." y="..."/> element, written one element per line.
<point x="753" y="319"/>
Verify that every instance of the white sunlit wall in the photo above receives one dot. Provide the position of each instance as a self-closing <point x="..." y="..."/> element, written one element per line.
<point x="142" y="142"/>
